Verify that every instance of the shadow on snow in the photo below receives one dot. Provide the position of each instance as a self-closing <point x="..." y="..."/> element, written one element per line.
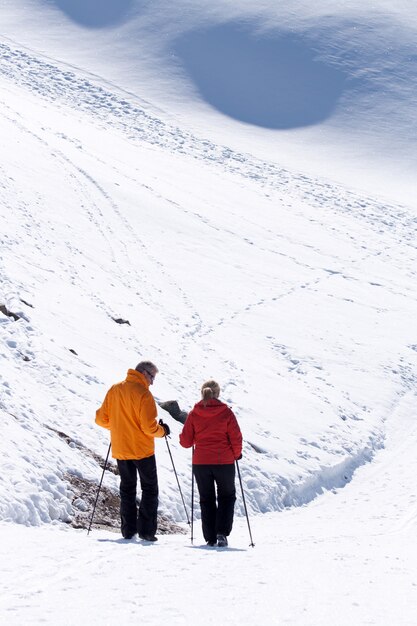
<point x="95" y="13"/>
<point x="274" y="81"/>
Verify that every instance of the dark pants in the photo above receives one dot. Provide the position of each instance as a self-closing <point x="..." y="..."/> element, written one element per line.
<point x="144" y="520"/>
<point x="216" y="516"/>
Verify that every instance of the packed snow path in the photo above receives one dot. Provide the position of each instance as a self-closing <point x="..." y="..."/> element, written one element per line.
<point x="349" y="558"/>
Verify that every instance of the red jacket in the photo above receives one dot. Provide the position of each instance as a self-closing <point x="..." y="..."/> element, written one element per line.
<point x="213" y="429"/>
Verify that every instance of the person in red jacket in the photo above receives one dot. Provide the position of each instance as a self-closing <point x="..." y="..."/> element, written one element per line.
<point x="211" y="427"/>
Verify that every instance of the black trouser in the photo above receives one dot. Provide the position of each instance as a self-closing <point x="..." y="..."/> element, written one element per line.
<point x="144" y="520"/>
<point x="216" y="517"/>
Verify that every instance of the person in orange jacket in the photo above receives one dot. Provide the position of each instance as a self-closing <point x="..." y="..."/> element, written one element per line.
<point x="129" y="412"/>
<point x="211" y="427"/>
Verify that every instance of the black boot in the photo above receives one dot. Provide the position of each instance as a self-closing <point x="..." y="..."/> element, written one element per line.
<point x="221" y="541"/>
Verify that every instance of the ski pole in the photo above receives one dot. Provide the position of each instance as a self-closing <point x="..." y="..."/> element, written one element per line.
<point x="244" y="504"/>
<point x="178" y="482"/>
<point x="98" y="490"/>
<point x="192" y="500"/>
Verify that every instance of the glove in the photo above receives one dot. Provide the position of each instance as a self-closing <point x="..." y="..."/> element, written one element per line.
<point x="165" y="427"/>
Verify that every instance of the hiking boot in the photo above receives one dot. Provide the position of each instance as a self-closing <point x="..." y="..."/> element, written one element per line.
<point x="211" y="543"/>
<point x="221" y="541"/>
<point x="128" y="535"/>
<point x="148" y="537"/>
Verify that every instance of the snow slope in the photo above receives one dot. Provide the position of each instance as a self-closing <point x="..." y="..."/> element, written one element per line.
<point x="128" y="195"/>
<point x="325" y="88"/>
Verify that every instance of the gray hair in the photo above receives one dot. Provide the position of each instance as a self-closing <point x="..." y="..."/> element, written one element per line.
<point x="145" y="366"/>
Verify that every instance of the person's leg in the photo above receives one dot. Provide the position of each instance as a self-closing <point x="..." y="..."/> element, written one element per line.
<point x="148" y="508"/>
<point x="128" y="509"/>
<point x="205" y="483"/>
<point x="226" y="497"/>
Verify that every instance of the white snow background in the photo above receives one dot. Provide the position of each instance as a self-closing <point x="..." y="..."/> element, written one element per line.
<point x="237" y="180"/>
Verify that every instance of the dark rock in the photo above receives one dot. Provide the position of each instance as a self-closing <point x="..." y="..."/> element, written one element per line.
<point x="120" y="320"/>
<point x="6" y="311"/>
<point x="27" y="303"/>
<point x="172" y="407"/>
<point x="107" y="513"/>
<point x="111" y="467"/>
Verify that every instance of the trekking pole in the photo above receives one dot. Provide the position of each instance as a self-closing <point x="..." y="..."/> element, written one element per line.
<point x="98" y="490"/>
<point x="192" y="500"/>
<point x="178" y="482"/>
<point x="244" y="504"/>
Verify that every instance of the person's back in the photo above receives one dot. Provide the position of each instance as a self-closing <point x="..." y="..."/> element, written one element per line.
<point x="129" y="412"/>
<point x="212" y="428"/>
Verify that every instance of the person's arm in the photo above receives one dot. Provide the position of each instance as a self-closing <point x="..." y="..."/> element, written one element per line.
<point x="102" y="414"/>
<point x="147" y="417"/>
<point x="187" y="433"/>
<point x="235" y="436"/>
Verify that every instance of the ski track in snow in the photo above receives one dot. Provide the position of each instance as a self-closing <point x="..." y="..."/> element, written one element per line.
<point x="88" y="189"/>
<point x="61" y="86"/>
<point x="65" y="88"/>
<point x="91" y="197"/>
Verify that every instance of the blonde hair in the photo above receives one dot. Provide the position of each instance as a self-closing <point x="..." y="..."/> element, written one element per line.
<point x="209" y="390"/>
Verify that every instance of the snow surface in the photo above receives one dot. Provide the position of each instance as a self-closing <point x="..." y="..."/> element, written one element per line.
<point x="273" y="248"/>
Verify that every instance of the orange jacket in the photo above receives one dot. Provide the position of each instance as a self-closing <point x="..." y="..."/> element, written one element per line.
<point x="129" y="412"/>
